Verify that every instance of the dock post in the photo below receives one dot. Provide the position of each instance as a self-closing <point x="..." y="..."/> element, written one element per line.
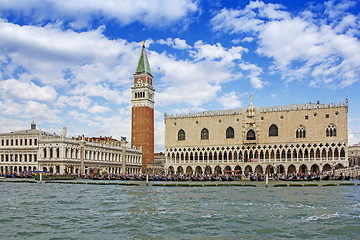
<point x="267" y="180"/>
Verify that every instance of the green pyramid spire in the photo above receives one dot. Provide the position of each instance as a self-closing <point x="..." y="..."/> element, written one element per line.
<point x="143" y="64"/>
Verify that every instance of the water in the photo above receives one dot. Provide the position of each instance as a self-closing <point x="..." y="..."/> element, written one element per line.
<point x="74" y="211"/>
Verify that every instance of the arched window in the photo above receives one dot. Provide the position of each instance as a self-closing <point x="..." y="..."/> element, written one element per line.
<point x="301" y="132"/>
<point x="273" y="131"/>
<point x="250" y="135"/>
<point x="181" y="135"/>
<point x="230" y="132"/>
<point x="331" y="130"/>
<point x="204" y="134"/>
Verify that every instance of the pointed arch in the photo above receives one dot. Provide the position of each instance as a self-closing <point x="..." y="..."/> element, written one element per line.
<point x="181" y="135"/>
<point x="273" y="131"/>
<point x="331" y="130"/>
<point x="230" y="133"/>
<point x="204" y="134"/>
<point x="250" y="135"/>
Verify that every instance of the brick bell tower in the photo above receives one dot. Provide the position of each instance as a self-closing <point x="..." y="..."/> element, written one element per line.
<point x="142" y="118"/>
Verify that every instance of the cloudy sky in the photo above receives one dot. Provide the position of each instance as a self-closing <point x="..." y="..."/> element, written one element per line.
<point x="70" y="63"/>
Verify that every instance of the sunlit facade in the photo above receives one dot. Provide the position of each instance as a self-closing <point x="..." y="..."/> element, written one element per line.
<point x="284" y="139"/>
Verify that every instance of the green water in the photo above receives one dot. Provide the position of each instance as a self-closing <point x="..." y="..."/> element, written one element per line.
<point x="79" y="211"/>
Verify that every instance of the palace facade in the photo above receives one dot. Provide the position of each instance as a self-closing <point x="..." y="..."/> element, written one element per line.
<point x="35" y="150"/>
<point x="284" y="139"/>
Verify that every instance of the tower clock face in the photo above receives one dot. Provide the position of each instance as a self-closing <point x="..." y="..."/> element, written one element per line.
<point x="139" y="80"/>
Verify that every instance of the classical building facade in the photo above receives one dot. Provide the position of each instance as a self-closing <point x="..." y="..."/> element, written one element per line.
<point x="354" y="155"/>
<point x="35" y="150"/>
<point x="142" y="116"/>
<point x="284" y="139"/>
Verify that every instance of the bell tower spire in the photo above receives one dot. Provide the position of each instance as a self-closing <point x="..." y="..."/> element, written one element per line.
<point x="142" y="118"/>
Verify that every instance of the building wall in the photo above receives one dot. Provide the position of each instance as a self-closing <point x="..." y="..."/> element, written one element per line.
<point x="287" y="122"/>
<point x="354" y="155"/>
<point x="19" y="151"/>
<point x="58" y="154"/>
<point x="142" y="133"/>
<point x="285" y="149"/>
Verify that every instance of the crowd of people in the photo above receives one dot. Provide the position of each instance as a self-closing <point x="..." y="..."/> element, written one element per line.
<point x="199" y="177"/>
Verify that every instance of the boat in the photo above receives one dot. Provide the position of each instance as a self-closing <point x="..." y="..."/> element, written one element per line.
<point x="338" y="178"/>
<point x="261" y="179"/>
<point x="207" y="178"/>
<point x="325" y="178"/>
<point x="252" y="179"/>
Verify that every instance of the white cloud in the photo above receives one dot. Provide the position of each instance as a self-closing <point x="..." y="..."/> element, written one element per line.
<point x="176" y="43"/>
<point x="98" y="109"/>
<point x="254" y="73"/>
<point x="13" y="88"/>
<point x="216" y="52"/>
<point x="230" y="100"/>
<point x="54" y="57"/>
<point x="248" y="39"/>
<point x="301" y="46"/>
<point x="82" y="102"/>
<point x="79" y="13"/>
<point x="29" y="109"/>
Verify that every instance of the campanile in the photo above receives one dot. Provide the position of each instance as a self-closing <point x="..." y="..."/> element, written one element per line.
<point x="142" y="118"/>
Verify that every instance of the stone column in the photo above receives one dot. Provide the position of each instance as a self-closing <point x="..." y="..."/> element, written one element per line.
<point x="82" y="145"/>
<point x="123" y="145"/>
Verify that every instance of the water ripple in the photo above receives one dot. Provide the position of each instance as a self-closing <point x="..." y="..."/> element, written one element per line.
<point x="61" y="211"/>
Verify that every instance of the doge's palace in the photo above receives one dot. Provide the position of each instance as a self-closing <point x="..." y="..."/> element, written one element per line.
<point x="294" y="138"/>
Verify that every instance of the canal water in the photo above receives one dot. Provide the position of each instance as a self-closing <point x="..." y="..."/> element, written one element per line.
<point x="79" y="211"/>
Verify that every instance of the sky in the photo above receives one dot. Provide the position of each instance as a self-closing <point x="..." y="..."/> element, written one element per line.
<point x="71" y="63"/>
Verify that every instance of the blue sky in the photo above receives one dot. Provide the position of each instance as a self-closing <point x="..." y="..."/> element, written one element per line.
<point x="70" y="63"/>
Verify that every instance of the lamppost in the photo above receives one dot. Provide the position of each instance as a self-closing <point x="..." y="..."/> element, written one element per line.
<point x="123" y="145"/>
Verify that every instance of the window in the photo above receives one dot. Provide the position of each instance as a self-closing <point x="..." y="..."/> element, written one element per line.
<point x="204" y="134"/>
<point x="181" y="135"/>
<point x="331" y="130"/>
<point x="273" y="131"/>
<point x="230" y="132"/>
<point x="327" y="115"/>
<point x="301" y="132"/>
<point x="306" y="117"/>
<point x="250" y="135"/>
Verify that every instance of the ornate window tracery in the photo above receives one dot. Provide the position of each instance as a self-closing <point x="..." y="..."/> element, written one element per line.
<point x="301" y="132"/>
<point x="331" y="130"/>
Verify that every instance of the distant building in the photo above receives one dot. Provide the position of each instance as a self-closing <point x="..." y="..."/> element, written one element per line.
<point x="159" y="163"/>
<point x="142" y="116"/>
<point x="285" y="139"/>
<point x="34" y="150"/>
<point x="354" y="155"/>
